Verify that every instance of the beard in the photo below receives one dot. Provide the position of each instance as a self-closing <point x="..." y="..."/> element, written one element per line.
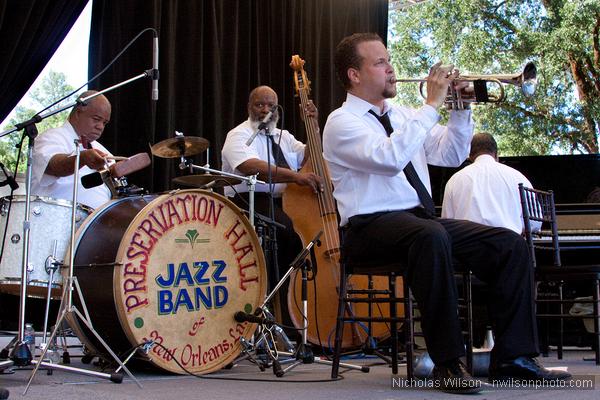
<point x="271" y="125"/>
<point x="389" y="92"/>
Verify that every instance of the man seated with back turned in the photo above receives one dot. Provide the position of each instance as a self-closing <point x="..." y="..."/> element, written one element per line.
<point x="377" y="154"/>
<point x="486" y="192"/>
<point x="54" y="158"/>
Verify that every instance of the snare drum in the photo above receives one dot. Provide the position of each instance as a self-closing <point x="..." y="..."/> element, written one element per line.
<point x="49" y="235"/>
<point x="171" y="270"/>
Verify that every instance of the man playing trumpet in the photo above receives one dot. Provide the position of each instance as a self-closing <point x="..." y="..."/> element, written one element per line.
<point x="378" y="154"/>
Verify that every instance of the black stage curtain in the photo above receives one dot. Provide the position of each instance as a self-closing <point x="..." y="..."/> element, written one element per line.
<point x="31" y="31"/>
<point x="212" y="53"/>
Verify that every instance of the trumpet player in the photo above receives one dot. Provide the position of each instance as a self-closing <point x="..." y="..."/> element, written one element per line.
<point x="378" y="154"/>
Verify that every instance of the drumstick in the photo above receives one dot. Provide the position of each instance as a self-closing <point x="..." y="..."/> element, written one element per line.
<point x="116" y="158"/>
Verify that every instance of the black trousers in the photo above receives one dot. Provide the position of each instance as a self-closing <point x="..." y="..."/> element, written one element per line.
<point x="427" y="247"/>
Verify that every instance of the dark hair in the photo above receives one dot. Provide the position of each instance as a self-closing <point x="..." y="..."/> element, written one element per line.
<point x="483" y="143"/>
<point x="347" y="57"/>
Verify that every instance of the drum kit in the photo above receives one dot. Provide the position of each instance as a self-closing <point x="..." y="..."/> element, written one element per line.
<point x="163" y="274"/>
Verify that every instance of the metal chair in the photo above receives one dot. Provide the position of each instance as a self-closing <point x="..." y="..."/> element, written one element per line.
<point x="538" y="205"/>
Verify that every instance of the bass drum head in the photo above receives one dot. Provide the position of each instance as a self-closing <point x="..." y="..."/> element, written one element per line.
<point x="188" y="261"/>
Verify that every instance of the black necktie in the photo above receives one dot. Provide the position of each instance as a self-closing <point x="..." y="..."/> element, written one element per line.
<point x="280" y="160"/>
<point x="409" y="170"/>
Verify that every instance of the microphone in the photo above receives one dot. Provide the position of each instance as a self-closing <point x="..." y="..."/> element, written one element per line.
<point x="155" y="68"/>
<point x="267" y="118"/>
<point x="262" y="125"/>
<point x="117" y="170"/>
<point x="241" y="316"/>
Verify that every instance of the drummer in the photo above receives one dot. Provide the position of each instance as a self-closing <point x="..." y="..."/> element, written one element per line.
<point x="54" y="158"/>
<point x="240" y="158"/>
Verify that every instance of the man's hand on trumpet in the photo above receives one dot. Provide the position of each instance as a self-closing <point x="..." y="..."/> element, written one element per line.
<point x="439" y="81"/>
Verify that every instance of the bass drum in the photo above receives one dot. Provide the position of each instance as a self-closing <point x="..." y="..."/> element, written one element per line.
<point x="171" y="270"/>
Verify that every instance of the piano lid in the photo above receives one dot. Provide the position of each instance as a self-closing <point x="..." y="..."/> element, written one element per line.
<point x="571" y="177"/>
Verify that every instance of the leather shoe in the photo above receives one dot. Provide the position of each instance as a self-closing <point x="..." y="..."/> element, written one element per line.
<point x="526" y="368"/>
<point x="453" y="377"/>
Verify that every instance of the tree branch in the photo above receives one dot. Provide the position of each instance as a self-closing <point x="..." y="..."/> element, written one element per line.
<point x="542" y="115"/>
<point x="499" y="6"/>
<point x="501" y="21"/>
<point x="593" y="72"/>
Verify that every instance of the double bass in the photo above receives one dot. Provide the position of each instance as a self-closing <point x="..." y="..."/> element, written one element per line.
<point x="310" y="214"/>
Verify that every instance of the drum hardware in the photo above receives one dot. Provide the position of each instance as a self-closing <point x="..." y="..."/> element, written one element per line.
<point x="303" y="354"/>
<point x="144" y="347"/>
<point x="67" y="311"/>
<point x="51" y="266"/>
<point x="251" y="180"/>
<point x="182" y="146"/>
<point x="206" y="181"/>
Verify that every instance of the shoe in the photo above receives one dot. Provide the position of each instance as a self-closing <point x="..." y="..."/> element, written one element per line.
<point x="453" y="377"/>
<point x="525" y="368"/>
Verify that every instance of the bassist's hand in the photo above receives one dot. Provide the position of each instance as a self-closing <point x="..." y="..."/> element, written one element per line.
<point x="309" y="179"/>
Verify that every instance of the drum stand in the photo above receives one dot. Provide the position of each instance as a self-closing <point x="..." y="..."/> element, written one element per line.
<point x="20" y="354"/>
<point x="68" y="312"/>
<point x="251" y="180"/>
<point x="303" y="354"/>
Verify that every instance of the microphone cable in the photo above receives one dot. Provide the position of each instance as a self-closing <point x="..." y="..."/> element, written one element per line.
<point x="103" y="70"/>
<point x="226" y="378"/>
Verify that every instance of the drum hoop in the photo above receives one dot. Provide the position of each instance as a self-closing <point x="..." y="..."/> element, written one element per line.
<point x="85" y="225"/>
<point x="236" y="210"/>
<point x="50" y="200"/>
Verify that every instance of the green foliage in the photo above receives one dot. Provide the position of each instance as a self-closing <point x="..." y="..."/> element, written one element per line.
<point x="498" y="37"/>
<point x="52" y="87"/>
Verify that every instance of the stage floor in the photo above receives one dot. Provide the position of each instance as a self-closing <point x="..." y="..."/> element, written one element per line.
<point x="246" y="381"/>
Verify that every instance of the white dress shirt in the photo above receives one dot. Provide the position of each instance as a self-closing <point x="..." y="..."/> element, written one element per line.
<point x="366" y="165"/>
<point x="61" y="141"/>
<point x="235" y="152"/>
<point x="486" y="192"/>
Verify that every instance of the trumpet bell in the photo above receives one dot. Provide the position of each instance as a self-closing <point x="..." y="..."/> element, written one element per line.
<point x="529" y="80"/>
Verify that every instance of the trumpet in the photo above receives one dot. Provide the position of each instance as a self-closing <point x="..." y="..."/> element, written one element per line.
<point x="478" y="93"/>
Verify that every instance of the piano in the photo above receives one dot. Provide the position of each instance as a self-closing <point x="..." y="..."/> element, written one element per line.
<point x="572" y="178"/>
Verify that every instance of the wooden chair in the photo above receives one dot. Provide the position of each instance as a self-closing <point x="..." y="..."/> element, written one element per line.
<point x="538" y="205"/>
<point x="370" y="296"/>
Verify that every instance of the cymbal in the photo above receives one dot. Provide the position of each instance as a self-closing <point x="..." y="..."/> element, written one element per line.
<point x="204" y="179"/>
<point x="180" y="146"/>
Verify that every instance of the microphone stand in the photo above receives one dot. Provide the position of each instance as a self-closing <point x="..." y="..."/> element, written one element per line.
<point x="273" y="243"/>
<point x="303" y="353"/>
<point x="21" y="355"/>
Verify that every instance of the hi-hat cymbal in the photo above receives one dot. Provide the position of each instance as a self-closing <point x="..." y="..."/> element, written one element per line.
<point x="180" y="146"/>
<point x="204" y="179"/>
